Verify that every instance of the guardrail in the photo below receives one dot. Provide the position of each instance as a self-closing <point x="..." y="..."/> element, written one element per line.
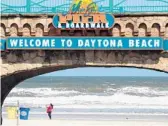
<point x="39" y="7"/>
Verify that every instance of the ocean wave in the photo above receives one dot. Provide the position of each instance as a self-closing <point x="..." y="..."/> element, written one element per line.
<point x="40" y="92"/>
<point x="138" y="91"/>
<point x="125" y="96"/>
<point x="118" y="99"/>
<point x="143" y="91"/>
<point x="109" y="90"/>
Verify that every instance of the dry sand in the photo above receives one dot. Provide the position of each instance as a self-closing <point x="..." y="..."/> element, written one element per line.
<point x="84" y="123"/>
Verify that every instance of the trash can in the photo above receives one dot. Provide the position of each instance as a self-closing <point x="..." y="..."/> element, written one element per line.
<point x="12" y="112"/>
<point x="24" y="113"/>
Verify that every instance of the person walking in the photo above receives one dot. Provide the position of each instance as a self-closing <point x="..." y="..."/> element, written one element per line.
<point x="49" y="110"/>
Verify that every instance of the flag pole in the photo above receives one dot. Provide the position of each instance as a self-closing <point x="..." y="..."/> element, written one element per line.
<point x="17" y="113"/>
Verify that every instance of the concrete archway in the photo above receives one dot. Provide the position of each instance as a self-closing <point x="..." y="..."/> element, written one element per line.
<point x="142" y="30"/>
<point x="116" y="30"/>
<point x="13" y="30"/>
<point x="19" y="77"/>
<point x="39" y="30"/>
<point x="18" y="66"/>
<point x="155" y="30"/>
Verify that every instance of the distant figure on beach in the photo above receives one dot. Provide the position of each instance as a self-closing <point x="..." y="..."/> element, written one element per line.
<point x="49" y="110"/>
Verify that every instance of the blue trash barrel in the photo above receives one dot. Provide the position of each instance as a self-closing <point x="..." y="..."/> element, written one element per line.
<point x="24" y="113"/>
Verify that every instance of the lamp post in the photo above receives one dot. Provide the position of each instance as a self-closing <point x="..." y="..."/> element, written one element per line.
<point x="18" y="113"/>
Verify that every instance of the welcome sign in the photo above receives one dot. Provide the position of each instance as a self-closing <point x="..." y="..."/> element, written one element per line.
<point x="93" y="43"/>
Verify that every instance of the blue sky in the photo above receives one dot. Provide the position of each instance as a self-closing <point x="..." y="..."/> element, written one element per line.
<point x="89" y="71"/>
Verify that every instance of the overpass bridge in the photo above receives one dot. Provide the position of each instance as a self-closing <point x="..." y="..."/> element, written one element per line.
<point x="34" y="19"/>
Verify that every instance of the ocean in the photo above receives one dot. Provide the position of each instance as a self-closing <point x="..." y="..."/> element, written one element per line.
<point x="110" y="95"/>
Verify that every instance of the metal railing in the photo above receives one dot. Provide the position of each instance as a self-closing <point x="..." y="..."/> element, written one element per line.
<point x="57" y="6"/>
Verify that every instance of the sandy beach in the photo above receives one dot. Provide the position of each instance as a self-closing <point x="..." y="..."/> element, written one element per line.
<point x="91" y="120"/>
<point x="85" y="123"/>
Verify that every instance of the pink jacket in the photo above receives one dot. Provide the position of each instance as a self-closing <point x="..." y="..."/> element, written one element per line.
<point x="49" y="109"/>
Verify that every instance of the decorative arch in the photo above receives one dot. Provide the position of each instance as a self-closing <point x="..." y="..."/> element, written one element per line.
<point x="166" y="25"/>
<point x="116" y="30"/>
<point x="52" y="30"/>
<point x="39" y="30"/>
<point x="142" y="30"/>
<point x="26" y="30"/>
<point x="129" y="30"/>
<point x="155" y="30"/>
<point x="50" y="25"/>
<point x="166" y="30"/>
<point x="14" y="30"/>
<point x="20" y="76"/>
<point x="2" y="30"/>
